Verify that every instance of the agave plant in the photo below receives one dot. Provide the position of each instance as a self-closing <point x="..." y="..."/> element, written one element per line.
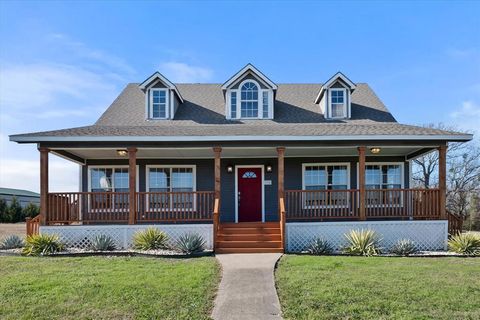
<point x="465" y="243"/>
<point x="150" y="239"/>
<point x="102" y="243"/>
<point x="42" y="244"/>
<point x="362" y="242"/>
<point x="11" y="242"/>
<point x="404" y="247"/>
<point x="319" y="246"/>
<point x="190" y="243"/>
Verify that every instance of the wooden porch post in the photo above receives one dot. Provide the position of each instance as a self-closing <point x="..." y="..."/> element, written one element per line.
<point x="281" y="172"/>
<point x="43" y="184"/>
<point x="442" y="180"/>
<point x="217" y="151"/>
<point x="361" y="182"/>
<point x="132" y="184"/>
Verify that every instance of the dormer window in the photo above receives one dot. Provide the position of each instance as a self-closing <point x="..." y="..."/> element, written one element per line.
<point x="158" y="104"/>
<point x="249" y="94"/>
<point x="337" y="103"/>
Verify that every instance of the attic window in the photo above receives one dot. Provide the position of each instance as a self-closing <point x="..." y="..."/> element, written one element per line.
<point x="249" y="100"/>
<point x="337" y="103"/>
<point x="158" y="104"/>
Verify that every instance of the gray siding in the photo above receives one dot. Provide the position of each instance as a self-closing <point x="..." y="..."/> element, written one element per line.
<point x="205" y="177"/>
<point x="250" y="77"/>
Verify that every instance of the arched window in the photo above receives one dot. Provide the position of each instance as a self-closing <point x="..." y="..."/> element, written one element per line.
<point x="249" y="100"/>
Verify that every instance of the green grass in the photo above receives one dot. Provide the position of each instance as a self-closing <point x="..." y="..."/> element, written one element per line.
<point x="107" y="288"/>
<point x="335" y="287"/>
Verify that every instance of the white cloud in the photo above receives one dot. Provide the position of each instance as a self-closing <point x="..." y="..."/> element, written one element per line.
<point x="467" y="116"/>
<point x="182" y="72"/>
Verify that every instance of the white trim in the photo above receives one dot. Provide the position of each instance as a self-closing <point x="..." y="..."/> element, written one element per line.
<point x="167" y="82"/>
<point x="251" y="68"/>
<point x="345" y="104"/>
<point x="460" y="137"/>
<point x="332" y="80"/>
<point x="325" y="164"/>
<point x="89" y="178"/>
<point x="150" y="104"/>
<point x="262" y="167"/>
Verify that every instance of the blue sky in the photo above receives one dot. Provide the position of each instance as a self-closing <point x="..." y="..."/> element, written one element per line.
<point x="62" y="63"/>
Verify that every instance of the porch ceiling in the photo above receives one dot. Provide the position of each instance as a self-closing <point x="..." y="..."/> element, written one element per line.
<point x="78" y="154"/>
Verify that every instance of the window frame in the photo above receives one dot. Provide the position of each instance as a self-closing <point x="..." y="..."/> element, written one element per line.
<point x="113" y="167"/>
<point x="325" y="164"/>
<point x="150" y="103"/>
<point x="330" y="103"/>
<point x="238" y="107"/>
<point x="402" y="182"/>
<point x="170" y="166"/>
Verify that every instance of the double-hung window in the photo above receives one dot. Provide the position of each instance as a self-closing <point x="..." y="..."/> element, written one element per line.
<point x="338" y="103"/>
<point x="249" y="100"/>
<point x="383" y="177"/>
<point x="158" y="104"/>
<point x="171" y="187"/>
<point x="111" y="186"/>
<point x="324" y="177"/>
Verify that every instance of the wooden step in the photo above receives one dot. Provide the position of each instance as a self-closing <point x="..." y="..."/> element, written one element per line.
<point x="248" y="250"/>
<point x="254" y="230"/>
<point x="249" y="237"/>
<point x="249" y="244"/>
<point x="250" y="224"/>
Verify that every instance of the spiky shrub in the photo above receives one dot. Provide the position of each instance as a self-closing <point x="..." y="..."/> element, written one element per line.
<point x="102" y="243"/>
<point x="404" y="247"/>
<point x="362" y="243"/>
<point x="190" y="243"/>
<point x="150" y="239"/>
<point x="42" y="244"/>
<point x="11" y="242"/>
<point x="319" y="246"/>
<point x="465" y="243"/>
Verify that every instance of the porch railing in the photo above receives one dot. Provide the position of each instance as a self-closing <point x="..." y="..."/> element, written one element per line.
<point x="113" y="207"/>
<point x="379" y="204"/>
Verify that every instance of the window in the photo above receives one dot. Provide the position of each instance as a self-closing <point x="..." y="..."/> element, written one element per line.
<point x="265" y="104"/>
<point x="177" y="181"/>
<point x="325" y="177"/>
<point x="249" y="100"/>
<point x="233" y="104"/>
<point x="383" y="176"/>
<point x="158" y="103"/>
<point x="109" y="180"/>
<point x="337" y="102"/>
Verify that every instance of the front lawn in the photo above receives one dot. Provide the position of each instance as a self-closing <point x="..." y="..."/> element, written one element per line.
<point x="336" y="287"/>
<point x="107" y="288"/>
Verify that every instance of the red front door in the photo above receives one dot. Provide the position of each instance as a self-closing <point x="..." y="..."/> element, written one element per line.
<point x="249" y="194"/>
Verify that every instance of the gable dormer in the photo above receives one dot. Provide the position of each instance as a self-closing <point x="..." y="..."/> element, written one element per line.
<point x="249" y="94"/>
<point x="162" y="97"/>
<point x="334" y="97"/>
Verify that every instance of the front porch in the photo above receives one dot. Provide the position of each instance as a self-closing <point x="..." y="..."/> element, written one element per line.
<point x="308" y="184"/>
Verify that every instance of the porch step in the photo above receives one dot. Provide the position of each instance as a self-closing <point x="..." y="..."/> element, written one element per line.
<point x="249" y="237"/>
<point x="248" y="250"/>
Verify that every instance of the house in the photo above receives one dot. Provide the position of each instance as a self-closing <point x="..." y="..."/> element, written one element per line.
<point x="252" y="165"/>
<point x="24" y="197"/>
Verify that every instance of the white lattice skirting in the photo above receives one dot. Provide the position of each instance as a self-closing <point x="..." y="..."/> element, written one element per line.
<point x="80" y="236"/>
<point x="427" y="234"/>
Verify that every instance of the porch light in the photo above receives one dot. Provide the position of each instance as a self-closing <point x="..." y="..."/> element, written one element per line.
<point x="375" y="150"/>
<point x="229" y="168"/>
<point x="269" y="168"/>
<point x="122" y="153"/>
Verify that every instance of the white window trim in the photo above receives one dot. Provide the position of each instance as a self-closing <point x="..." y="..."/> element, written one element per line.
<point x="89" y="179"/>
<point x="194" y="182"/>
<point x="262" y="167"/>
<point x="325" y="164"/>
<point x="345" y="103"/>
<point x="402" y="181"/>
<point x="239" y="102"/>
<point x="150" y="104"/>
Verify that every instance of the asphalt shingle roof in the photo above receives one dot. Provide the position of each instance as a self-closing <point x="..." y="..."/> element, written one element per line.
<point x="203" y="114"/>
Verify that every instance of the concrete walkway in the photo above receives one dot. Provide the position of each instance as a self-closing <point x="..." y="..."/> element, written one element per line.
<point x="247" y="289"/>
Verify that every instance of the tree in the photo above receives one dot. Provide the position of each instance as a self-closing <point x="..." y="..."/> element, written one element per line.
<point x="15" y="211"/>
<point x="3" y="210"/>
<point x="31" y="210"/>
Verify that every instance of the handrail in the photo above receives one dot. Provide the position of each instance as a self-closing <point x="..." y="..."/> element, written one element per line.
<point x="216" y="220"/>
<point x="455" y="223"/>
<point x="33" y="225"/>
<point x="282" y="222"/>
